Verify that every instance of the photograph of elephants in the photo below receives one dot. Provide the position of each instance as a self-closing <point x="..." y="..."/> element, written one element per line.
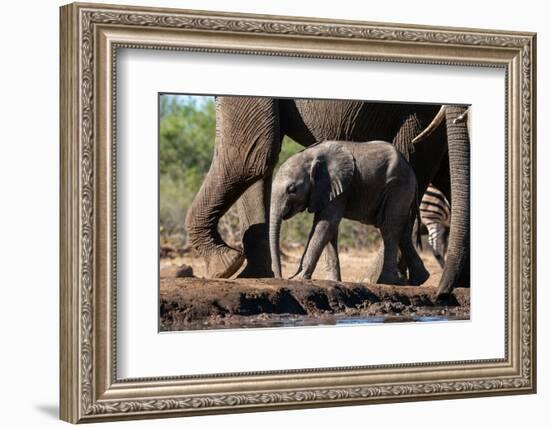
<point x="303" y="212"/>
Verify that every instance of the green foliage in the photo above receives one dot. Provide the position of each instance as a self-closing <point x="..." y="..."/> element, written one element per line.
<point x="187" y="137"/>
<point x="288" y="148"/>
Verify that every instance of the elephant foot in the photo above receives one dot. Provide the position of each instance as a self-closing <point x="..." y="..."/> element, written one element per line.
<point x="301" y="275"/>
<point x="391" y="279"/>
<point x="446" y="300"/>
<point x="224" y="263"/>
<point x="254" y="272"/>
<point x="419" y="277"/>
<point x="443" y="299"/>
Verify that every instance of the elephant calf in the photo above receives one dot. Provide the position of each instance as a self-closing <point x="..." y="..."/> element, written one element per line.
<point x="367" y="182"/>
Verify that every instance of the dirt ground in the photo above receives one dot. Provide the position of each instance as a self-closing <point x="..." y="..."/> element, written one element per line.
<point x="187" y="301"/>
<point x="353" y="265"/>
<point x="193" y="303"/>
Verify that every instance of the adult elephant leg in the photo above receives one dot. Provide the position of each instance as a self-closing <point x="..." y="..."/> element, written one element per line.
<point x="459" y="163"/>
<point x="442" y="178"/>
<point x="253" y="209"/>
<point x="247" y="146"/>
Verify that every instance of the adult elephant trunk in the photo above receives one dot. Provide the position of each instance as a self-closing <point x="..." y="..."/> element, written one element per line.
<point x="275" y="221"/>
<point x="459" y="162"/>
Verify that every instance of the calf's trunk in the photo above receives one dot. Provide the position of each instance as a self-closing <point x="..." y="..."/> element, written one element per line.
<point x="275" y="221"/>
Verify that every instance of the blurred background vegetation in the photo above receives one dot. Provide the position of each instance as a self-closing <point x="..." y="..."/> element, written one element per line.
<point x="187" y="135"/>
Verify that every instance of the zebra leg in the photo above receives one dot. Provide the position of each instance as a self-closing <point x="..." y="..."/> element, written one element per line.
<point x="436" y="235"/>
<point x="435" y="212"/>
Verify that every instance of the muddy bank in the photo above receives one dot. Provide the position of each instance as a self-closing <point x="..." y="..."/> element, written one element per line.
<point x="193" y="303"/>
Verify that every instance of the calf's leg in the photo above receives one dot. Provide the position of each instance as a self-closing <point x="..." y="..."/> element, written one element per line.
<point x="417" y="271"/>
<point x="332" y="262"/>
<point x="391" y="232"/>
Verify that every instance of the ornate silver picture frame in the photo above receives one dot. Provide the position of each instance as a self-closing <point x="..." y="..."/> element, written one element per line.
<point x="91" y="390"/>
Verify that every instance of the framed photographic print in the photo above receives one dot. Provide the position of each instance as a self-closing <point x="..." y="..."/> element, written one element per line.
<point x="265" y="212"/>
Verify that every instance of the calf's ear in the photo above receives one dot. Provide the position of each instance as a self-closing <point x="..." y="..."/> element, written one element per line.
<point x="331" y="173"/>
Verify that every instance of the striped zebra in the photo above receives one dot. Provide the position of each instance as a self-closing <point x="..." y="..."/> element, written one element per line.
<point x="435" y="212"/>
